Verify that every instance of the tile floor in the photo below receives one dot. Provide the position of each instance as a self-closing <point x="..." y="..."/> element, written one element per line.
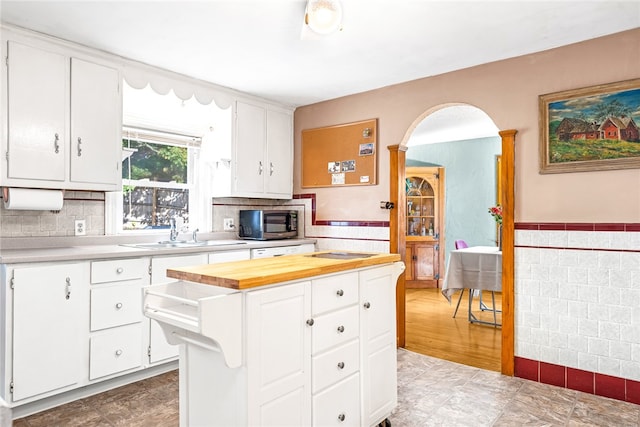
<point x="431" y="392"/>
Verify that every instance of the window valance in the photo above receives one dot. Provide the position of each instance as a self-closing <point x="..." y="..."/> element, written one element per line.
<point x="185" y="88"/>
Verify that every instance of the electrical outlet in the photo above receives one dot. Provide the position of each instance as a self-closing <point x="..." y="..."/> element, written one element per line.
<point x="80" y="227"/>
<point x="228" y="224"/>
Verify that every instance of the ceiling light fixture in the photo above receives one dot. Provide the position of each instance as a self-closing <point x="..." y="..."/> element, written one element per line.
<point x="323" y="16"/>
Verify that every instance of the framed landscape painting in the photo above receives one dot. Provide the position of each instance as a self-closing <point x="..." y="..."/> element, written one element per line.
<point x="594" y="128"/>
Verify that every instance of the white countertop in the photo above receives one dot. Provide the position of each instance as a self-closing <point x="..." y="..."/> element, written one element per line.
<point x="68" y="249"/>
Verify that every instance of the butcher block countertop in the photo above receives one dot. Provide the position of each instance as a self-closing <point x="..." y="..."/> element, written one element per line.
<point x="266" y="271"/>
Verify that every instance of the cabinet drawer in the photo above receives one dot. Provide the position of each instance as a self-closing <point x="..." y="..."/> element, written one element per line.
<point x="338" y="405"/>
<point x="115" y="306"/>
<point x="335" y="365"/>
<point x="115" y="350"/>
<point x="334" y="292"/>
<point x="334" y="328"/>
<point x="117" y="270"/>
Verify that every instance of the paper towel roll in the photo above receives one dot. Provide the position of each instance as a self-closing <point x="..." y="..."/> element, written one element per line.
<point x="32" y="199"/>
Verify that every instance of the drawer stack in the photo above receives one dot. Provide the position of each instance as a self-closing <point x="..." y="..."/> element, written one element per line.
<point x="116" y="338"/>
<point x="335" y="349"/>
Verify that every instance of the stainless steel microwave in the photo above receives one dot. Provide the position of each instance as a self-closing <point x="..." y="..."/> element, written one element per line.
<point x="268" y="225"/>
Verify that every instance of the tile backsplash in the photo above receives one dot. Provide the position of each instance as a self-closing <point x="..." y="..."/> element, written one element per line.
<point x="86" y="205"/>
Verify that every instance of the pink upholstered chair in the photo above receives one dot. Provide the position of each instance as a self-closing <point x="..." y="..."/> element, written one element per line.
<point x="461" y="244"/>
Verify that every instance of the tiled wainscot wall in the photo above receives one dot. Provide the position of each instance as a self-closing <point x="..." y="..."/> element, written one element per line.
<point x="577" y="307"/>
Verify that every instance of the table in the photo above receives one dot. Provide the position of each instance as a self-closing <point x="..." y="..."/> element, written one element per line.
<point x="477" y="268"/>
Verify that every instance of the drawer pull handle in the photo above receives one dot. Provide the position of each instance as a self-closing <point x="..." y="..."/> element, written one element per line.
<point x="341" y="329"/>
<point x="79" y="146"/>
<point x="56" y="143"/>
<point x="118" y="352"/>
<point x="118" y="306"/>
<point x="340" y="292"/>
<point x="68" y="289"/>
<point x="341" y="417"/>
<point x="341" y="365"/>
<point x="119" y="270"/>
<point x="367" y="305"/>
<point x="310" y="322"/>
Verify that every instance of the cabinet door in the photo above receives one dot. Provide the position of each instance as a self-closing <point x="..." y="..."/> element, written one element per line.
<point x="50" y="328"/>
<point x="95" y="124"/>
<point x="408" y="260"/>
<point x="278" y="355"/>
<point x="249" y="155"/>
<point x="425" y="263"/>
<point x="279" y="168"/>
<point x="378" y="335"/>
<point x="38" y="105"/>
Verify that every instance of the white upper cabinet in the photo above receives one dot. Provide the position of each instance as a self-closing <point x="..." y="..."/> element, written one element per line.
<point x="95" y="124"/>
<point x="63" y="121"/>
<point x="279" y="176"/>
<point x="262" y="164"/>
<point x="250" y="148"/>
<point x="37" y="110"/>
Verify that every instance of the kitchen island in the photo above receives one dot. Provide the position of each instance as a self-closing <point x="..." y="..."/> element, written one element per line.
<point x="296" y="340"/>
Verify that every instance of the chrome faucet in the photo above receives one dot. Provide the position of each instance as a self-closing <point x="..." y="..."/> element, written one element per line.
<point x="173" y="231"/>
<point x="195" y="234"/>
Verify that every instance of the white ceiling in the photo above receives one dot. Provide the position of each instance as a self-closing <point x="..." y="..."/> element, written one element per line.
<point x="254" y="46"/>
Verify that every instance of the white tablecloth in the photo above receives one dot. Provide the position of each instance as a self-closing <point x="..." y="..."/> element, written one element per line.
<point x="478" y="267"/>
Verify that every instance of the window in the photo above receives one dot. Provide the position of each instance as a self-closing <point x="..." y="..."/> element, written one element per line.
<point x="157" y="178"/>
<point x="170" y="146"/>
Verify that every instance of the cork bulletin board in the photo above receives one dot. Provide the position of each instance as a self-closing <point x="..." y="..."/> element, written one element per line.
<point x="340" y="155"/>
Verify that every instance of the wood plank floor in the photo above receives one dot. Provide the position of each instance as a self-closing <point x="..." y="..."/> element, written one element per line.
<point x="432" y="330"/>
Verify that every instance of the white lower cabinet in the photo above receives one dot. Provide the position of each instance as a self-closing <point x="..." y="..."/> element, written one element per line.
<point x="68" y="326"/>
<point x="317" y="352"/>
<point x="378" y="337"/>
<point x="339" y="405"/>
<point x="278" y="355"/>
<point x="115" y="350"/>
<point x="116" y="339"/>
<point x="47" y="317"/>
<point x="336" y="350"/>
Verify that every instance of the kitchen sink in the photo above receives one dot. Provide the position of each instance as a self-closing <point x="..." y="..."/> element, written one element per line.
<point x="168" y="244"/>
<point x="341" y="255"/>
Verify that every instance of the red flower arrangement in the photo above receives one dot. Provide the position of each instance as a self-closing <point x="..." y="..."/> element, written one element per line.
<point x="496" y="213"/>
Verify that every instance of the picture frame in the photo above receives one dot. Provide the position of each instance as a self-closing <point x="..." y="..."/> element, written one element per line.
<point x="590" y="129"/>
<point x="366" y="149"/>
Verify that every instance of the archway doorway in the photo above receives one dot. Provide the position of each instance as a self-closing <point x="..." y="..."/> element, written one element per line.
<point x="398" y="232"/>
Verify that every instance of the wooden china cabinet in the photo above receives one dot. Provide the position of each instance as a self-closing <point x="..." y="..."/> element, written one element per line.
<point x="424" y="226"/>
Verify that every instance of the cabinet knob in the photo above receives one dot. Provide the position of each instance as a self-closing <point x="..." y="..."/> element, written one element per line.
<point x="118" y="352"/>
<point x="341" y="365"/>
<point x="119" y="270"/>
<point x="367" y="305"/>
<point x="341" y="329"/>
<point x="310" y="322"/>
<point x="119" y="306"/>
<point x="342" y="417"/>
<point x="340" y="292"/>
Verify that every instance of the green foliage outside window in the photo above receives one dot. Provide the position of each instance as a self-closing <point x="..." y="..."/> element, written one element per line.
<point x="156" y="162"/>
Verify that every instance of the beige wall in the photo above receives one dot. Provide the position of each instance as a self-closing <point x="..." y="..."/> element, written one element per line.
<point x="508" y="92"/>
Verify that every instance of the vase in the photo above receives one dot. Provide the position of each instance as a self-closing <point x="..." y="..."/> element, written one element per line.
<point x="499" y="237"/>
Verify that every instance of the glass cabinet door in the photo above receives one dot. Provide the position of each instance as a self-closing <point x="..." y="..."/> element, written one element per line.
<point x="420" y="207"/>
